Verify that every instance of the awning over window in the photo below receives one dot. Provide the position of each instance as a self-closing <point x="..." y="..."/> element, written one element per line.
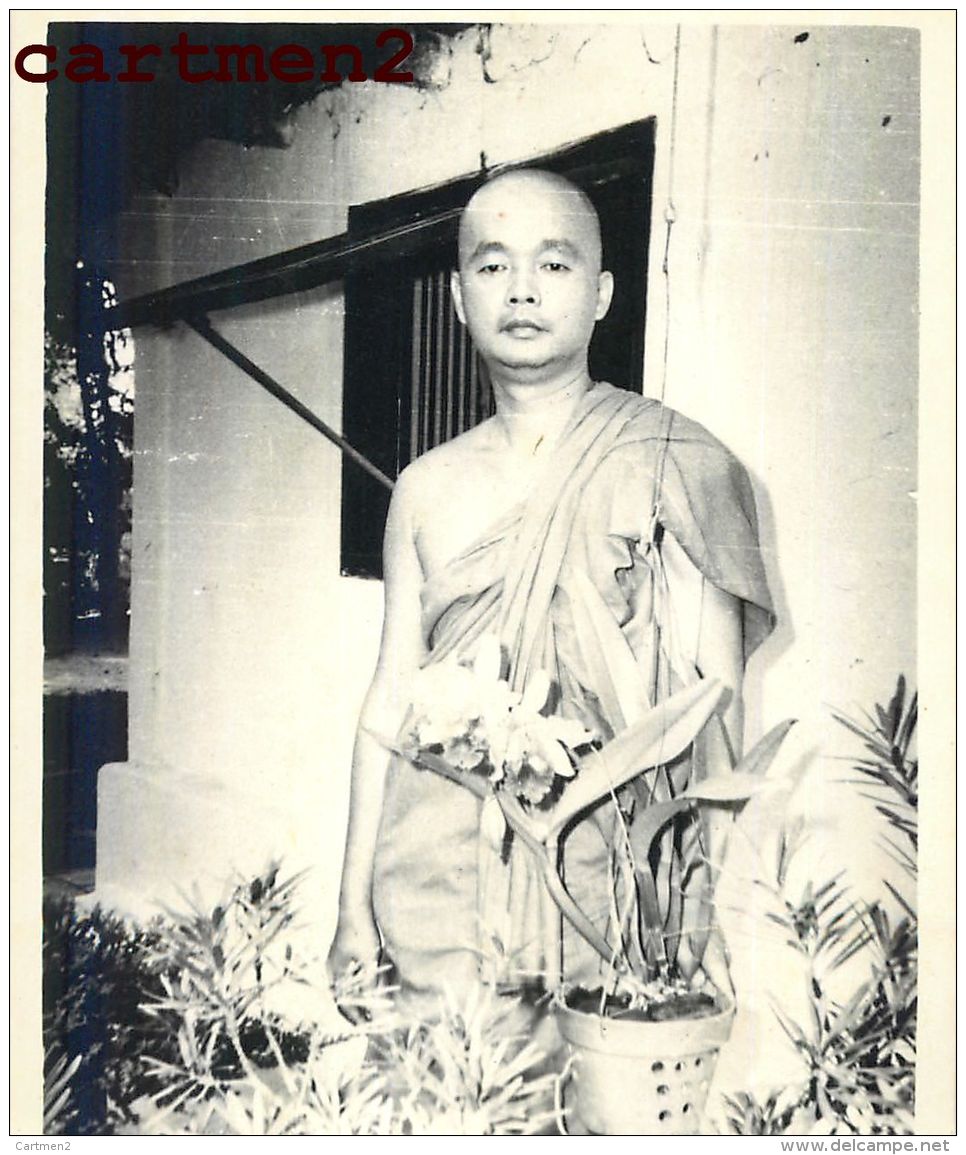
<point x="293" y="271"/>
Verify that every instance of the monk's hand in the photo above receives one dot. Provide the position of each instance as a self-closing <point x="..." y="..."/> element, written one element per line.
<point x="352" y="964"/>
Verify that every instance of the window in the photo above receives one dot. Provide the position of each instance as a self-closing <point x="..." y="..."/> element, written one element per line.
<point x="412" y="379"/>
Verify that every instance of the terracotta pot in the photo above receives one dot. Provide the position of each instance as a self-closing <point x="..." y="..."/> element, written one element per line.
<point x="634" y="1078"/>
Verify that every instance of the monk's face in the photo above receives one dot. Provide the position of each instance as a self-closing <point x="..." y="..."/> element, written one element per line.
<point x="529" y="286"/>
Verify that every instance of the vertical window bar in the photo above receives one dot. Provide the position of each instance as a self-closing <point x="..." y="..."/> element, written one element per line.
<point x="442" y="358"/>
<point x="425" y="368"/>
<point x="474" y="388"/>
<point x="437" y="363"/>
<point x="429" y="394"/>
<point x="416" y="390"/>
<point x="450" y="393"/>
<point x="452" y="385"/>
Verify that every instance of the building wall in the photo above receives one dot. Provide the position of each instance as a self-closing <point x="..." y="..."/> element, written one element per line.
<point x="794" y="336"/>
<point x="792" y="176"/>
<point x="250" y="653"/>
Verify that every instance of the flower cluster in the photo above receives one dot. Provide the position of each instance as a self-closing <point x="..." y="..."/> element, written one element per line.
<point x="477" y="723"/>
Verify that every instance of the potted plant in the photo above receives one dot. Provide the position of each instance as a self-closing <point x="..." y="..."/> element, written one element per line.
<point x="644" y="1042"/>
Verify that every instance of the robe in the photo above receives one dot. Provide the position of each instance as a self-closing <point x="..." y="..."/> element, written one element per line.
<point x="576" y="581"/>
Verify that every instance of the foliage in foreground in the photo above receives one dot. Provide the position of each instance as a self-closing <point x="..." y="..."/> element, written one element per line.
<point x="97" y="972"/>
<point x="212" y="1031"/>
<point x="858" y="1056"/>
<point x="208" y="1022"/>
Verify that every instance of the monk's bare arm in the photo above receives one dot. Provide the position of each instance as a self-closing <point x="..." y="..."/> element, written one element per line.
<point x="400" y="654"/>
<point x="708" y="625"/>
<point x="720" y="654"/>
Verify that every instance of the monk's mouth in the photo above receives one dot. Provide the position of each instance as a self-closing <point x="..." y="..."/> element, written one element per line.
<point x="523" y="328"/>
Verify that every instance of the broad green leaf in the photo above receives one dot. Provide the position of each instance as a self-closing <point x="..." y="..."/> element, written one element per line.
<point x="697" y="913"/>
<point x="660" y="735"/>
<point x="673" y="919"/>
<point x="760" y="757"/>
<point x="654" y="945"/>
<point x="614" y="670"/>
<point x="723" y="788"/>
<point x="712" y="751"/>
<point x="663" y="873"/>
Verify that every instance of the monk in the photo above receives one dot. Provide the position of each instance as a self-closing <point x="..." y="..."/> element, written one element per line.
<point x="576" y="503"/>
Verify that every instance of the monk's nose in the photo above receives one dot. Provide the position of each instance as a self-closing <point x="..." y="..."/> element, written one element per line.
<point x="523" y="291"/>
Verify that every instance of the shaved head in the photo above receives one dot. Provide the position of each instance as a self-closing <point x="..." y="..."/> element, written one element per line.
<point x="529" y="286"/>
<point x="534" y="191"/>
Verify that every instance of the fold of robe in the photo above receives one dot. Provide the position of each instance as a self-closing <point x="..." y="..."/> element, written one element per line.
<point x="573" y="580"/>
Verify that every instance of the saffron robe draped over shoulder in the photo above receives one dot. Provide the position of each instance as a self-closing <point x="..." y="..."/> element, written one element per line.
<point x="575" y="581"/>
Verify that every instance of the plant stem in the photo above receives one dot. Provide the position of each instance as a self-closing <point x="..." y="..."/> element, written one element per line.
<point x="544" y="851"/>
<point x="571" y="911"/>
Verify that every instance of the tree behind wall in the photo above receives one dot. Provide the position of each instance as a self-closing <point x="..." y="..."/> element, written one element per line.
<point x="88" y="427"/>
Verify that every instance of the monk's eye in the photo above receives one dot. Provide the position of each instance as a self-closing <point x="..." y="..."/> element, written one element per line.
<point x="556" y="267"/>
<point x="493" y="267"/>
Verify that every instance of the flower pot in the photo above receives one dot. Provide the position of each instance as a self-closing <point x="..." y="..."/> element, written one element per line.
<point x="642" y="1078"/>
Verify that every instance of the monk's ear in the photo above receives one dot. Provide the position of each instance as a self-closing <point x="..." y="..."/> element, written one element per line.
<point x="456" y="288"/>
<point x="605" y="293"/>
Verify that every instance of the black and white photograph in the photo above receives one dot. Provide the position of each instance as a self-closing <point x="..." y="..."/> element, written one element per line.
<point x="485" y="531"/>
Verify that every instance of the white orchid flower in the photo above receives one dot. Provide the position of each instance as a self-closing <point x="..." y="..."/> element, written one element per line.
<point x="476" y="722"/>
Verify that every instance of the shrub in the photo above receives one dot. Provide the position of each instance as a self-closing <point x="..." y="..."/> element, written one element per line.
<point x="191" y="1035"/>
<point x="97" y="972"/>
<point x="859" y="1056"/>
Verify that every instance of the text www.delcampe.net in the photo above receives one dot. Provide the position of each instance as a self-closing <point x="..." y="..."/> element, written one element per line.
<point x="886" y="1146"/>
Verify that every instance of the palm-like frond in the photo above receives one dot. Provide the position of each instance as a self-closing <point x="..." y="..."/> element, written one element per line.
<point x="747" y="1115"/>
<point x="57" y="1093"/>
<point x="858" y="1056"/>
<point x="889" y="739"/>
<point x="471" y="1068"/>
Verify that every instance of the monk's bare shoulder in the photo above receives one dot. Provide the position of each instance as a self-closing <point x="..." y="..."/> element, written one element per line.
<point x="424" y="483"/>
<point x="447" y="497"/>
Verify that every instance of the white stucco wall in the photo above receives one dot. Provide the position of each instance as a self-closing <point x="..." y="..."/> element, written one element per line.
<point x="793" y="313"/>
<point x="250" y="654"/>
<point x="794" y="336"/>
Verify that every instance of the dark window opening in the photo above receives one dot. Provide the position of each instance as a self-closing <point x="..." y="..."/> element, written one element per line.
<point x="412" y="379"/>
